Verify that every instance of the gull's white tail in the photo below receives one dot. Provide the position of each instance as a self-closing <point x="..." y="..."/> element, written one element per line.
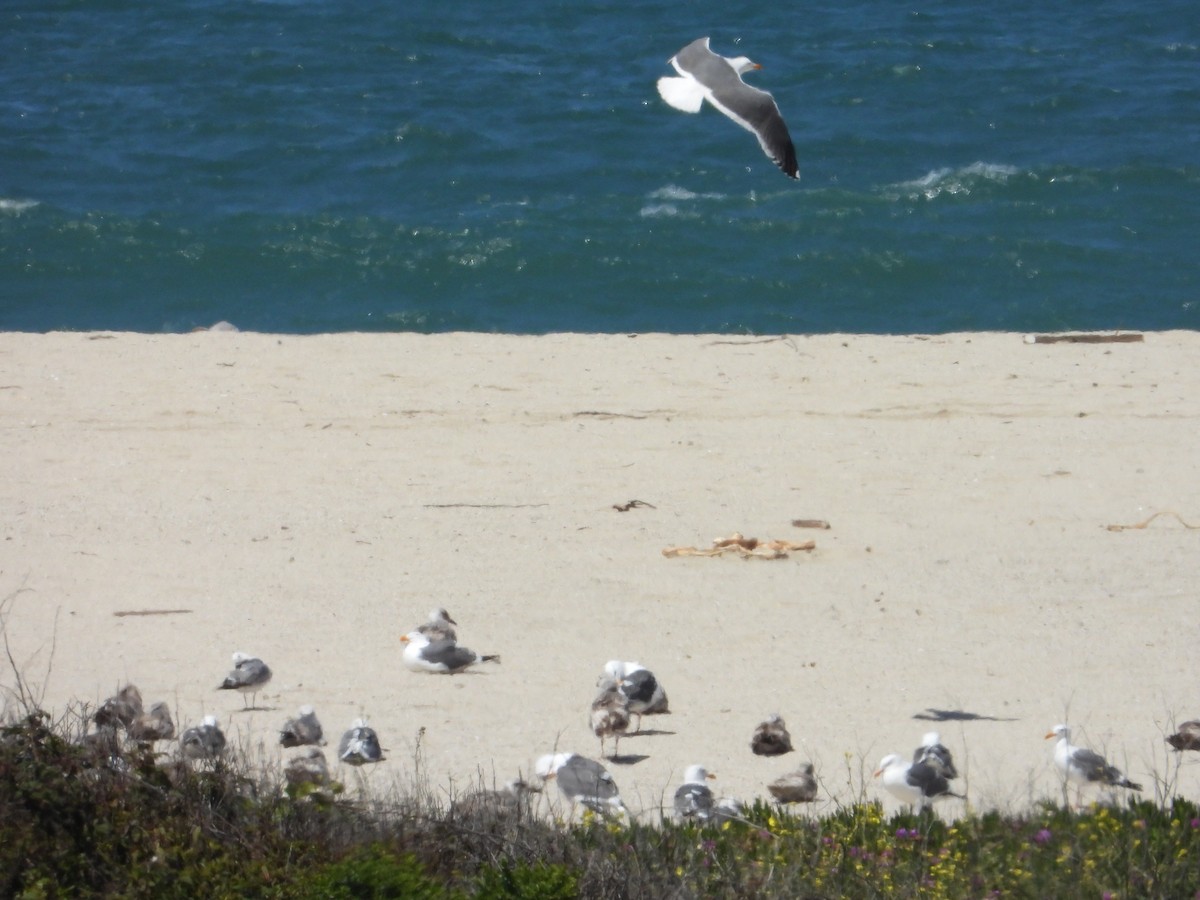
<point x="685" y="94"/>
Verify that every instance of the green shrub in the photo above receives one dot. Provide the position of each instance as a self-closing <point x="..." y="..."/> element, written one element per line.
<point x="521" y="881"/>
<point x="79" y="822"/>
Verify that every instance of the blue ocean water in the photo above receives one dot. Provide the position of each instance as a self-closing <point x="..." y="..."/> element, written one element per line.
<point x="324" y="165"/>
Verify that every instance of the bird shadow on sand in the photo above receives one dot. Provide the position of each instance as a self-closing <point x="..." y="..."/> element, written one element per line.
<point x="627" y="759"/>
<point x="246" y="709"/>
<point x="929" y="714"/>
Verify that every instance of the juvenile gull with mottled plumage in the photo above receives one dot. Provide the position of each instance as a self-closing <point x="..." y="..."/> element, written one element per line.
<point x="771" y="738"/>
<point x="799" y="786"/>
<point x="440" y="626"/>
<point x="303" y="729"/>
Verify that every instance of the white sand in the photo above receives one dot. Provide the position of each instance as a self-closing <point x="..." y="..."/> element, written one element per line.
<point x="309" y="499"/>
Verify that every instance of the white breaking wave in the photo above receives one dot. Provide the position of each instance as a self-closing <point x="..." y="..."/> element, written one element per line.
<point x="673" y="192"/>
<point x="16" y="207"/>
<point x="951" y="181"/>
<point x="669" y="198"/>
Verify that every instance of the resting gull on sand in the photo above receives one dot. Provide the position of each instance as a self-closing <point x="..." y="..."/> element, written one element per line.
<point x="155" y="724"/>
<point x="248" y="675"/>
<point x="360" y="745"/>
<point x="440" y="626"/>
<point x="1084" y="766"/>
<point x="799" y="786"/>
<point x="582" y="781"/>
<point x="694" y="799"/>
<point x="120" y="709"/>
<point x="936" y="755"/>
<point x="643" y="692"/>
<point x="444" y="657"/>
<point x="303" y="729"/>
<point x="917" y="784"/>
<point x="307" y="771"/>
<point x="514" y="800"/>
<point x="1187" y="737"/>
<point x="771" y="738"/>
<point x="203" y="741"/>
<point x="705" y="75"/>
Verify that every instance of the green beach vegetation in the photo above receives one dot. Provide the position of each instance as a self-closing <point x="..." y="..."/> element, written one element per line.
<point x="87" y="819"/>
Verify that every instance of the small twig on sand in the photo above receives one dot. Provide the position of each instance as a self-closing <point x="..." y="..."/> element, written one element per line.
<point x="1161" y="512"/>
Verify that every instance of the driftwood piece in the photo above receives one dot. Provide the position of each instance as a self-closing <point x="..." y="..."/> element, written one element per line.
<point x="747" y="548"/>
<point x="1120" y="337"/>
<point x="810" y="523"/>
<point x="151" y="612"/>
<point x="1161" y="512"/>
<point x="633" y="504"/>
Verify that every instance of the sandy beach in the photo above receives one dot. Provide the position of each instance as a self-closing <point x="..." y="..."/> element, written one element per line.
<point x="170" y="499"/>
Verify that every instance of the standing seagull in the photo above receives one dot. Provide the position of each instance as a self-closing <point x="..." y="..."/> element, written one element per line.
<point x="936" y="755"/>
<point x="443" y="657"/>
<point x="610" y="714"/>
<point x="693" y="798"/>
<point x="248" y="675"/>
<point x="304" y="729"/>
<point x="771" y="738"/>
<point x="204" y="741"/>
<point x="917" y="784"/>
<point x="1084" y="766"/>
<point x="642" y="691"/>
<point x="582" y="780"/>
<point x="704" y="75"/>
<point x="795" y="787"/>
<point x="360" y="745"/>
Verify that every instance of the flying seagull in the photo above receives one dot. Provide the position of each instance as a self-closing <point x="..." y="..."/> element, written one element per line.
<point x="917" y="784"/>
<point x="248" y="675"/>
<point x="1084" y="766"/>
<point x="704" y="75"/>
<point x="936" y="755"/>
<point x="443" y="657"/>
<point x="771" y="738"/>
<point x="694" y="798"/>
